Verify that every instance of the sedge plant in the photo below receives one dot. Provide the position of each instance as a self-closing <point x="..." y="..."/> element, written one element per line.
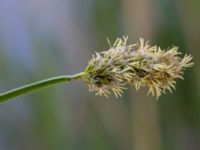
<point x="110" y="71"/>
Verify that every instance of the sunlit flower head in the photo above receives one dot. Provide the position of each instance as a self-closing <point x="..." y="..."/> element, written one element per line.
<point x="140" y="65"/>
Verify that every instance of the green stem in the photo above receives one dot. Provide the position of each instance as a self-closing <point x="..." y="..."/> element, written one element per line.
<point x="38" y="85"/>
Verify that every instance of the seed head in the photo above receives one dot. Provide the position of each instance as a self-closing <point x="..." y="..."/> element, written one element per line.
<point x="140" y="65"/>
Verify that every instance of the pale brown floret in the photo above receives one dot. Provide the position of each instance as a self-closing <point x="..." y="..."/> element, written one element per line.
<point x="137" y="64"/>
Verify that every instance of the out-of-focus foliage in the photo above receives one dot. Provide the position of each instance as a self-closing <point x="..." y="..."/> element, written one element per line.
<point x="45" y="38"/>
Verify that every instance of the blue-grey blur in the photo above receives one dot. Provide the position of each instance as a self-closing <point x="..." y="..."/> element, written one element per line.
<point x="46" y="38"/>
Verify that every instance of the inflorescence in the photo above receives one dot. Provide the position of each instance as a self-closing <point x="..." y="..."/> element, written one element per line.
<point x="140" y="65"/>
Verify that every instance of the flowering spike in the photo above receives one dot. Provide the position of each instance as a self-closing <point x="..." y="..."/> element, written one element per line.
<point x="137" y="64"/>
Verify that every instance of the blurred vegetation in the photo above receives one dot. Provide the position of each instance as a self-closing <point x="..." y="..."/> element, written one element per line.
<point x="40" y="39"/>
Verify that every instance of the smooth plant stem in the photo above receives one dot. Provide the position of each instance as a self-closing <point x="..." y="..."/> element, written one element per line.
<point x="38" y="85"/>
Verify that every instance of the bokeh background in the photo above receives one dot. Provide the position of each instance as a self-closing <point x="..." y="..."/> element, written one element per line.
<point x="45" y="38"/>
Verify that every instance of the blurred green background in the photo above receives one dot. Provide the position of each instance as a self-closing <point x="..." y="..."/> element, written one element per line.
<point x="45" y="38"/>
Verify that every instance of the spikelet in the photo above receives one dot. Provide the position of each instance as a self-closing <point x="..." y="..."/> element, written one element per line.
<point x="140" y="65"/>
